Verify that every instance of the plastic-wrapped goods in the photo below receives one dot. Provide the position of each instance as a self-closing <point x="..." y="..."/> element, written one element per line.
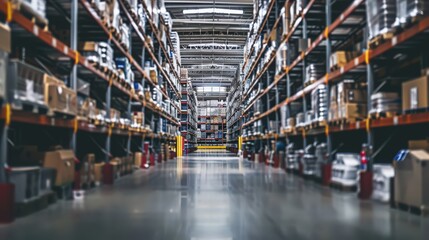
<point x="309" y="117"/>
<point x="281" y="59"/>
<point x="37" y="7"/>
<point x="157" y="96"/>
<point x="381" y="15"/>
<point x="409" y="9"/>
<point x="105" y="55"/>
<point x="300" y="119"/>
<point x="322" y="157"/>
<point x="25" y="84"/>
<point x="258" y="107"/>
<point x="291" y="157"/>
<point x="309" y="160"/>
<point x="285" y="21"/>
<point x="283" y="116"/>
<point x="125" y="36"/>
<point x="273" y="126"/>
<point x="381" y="182"/>
<point x="345" y="169"/>
<point x="142" y="16"/>
<point x="313" y="73"/>
<point x="319" y="102"/>
<point x="258" y="127"/>
<point x="385" y="102"/>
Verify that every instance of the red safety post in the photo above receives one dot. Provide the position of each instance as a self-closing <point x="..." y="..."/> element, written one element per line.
<point x="276" y="160"/>
<point x="108" y="174"/>
<point x="7" y="199"/>
<point x="326" y="174"/>
<point x="365" y="185"/>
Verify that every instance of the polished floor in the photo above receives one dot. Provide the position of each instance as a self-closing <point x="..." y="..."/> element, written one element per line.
<point x="216" y="196"/>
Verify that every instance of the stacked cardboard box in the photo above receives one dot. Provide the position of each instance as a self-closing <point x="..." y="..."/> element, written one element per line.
<point x="348" y="101"/>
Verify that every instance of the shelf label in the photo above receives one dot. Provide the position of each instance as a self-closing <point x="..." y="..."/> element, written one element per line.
<point x="357" y="125"/>
<point x="52" y="121"/>
<point x="8" y="114"/>
<point x="35" y="30"/>
<point x="395" y="120"/>
<point x="66" y="50"/>
<point x="54" y="42"/>
<point x="394" y="41"/>
<point x="368" y="124"/>
<point x="356" y="61"/>
<point x="342" y="127"/>
<point x="75" y="125"/>
<point x="342" y="17"/>
<point x="342" y="70"/>
<point x="9" y="12"/>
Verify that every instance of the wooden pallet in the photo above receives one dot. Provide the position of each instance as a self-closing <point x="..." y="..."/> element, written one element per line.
<point x="28" y="107"/>
<point x="380" y="39"/>
<point x="421" y="211"/>
<point x="343" y="121"/>
<point x="317" y="124"/>
<point x="337" y="67"/>
<point x="378" y="115"/>
<point x="306" y="84"/>
<point x="418" y="110"/>
<point x="31" y="14"/>
<point x="343" y="188"/>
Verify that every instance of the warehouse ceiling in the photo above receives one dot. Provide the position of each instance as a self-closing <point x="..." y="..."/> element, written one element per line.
<point x="212" y="37"/>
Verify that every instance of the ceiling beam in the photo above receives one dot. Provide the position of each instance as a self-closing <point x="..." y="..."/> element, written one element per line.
<point x="226" y="2"/>
<point x="215" y="21"/>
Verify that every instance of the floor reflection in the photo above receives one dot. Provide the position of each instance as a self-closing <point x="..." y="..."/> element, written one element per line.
<point x="217" y="196"/>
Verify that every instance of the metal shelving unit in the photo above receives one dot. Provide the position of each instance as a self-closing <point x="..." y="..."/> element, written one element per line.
<point x="59" y="51"/>
<point x="189" y="117"/>
<point x="330" y="26"/>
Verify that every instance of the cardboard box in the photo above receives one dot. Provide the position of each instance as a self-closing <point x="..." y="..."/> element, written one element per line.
<point x="338" y="59"/>
<point x="138" y="159"/>
<point x="333" y="111"/>
<point x="5" y="39"/>
<point x="415" y="93"/>
<point x="87" y="173"/>
<point x="419" y="145"/>
<point x="98" y="171"/>
<point x="352" y="111"/>
<point x="63" y="162"/>
<point x="59" y="98"/>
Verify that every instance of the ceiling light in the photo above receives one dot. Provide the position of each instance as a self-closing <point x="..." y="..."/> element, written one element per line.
<point x="212" y="10"/>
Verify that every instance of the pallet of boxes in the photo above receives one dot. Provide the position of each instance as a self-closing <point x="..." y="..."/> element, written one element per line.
<point x="348" y="102"/>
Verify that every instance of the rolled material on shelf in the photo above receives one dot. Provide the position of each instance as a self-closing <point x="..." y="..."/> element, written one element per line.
<point x="381" y="16"/>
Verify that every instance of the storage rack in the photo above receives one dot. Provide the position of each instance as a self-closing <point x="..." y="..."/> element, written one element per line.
<point x="368" y="65"/>
<point x="189" y="116"/>
<point x="57" y="48"/>
<point x="207" y="120"/>
<point x="233" y="114"/>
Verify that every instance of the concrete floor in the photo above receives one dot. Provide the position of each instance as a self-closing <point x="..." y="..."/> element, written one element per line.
<point x="216" y="196"/>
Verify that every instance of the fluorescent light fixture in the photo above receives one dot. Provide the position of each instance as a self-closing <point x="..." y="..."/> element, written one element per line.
<point x="213" y="45"/>
<point x="213" y="10"/>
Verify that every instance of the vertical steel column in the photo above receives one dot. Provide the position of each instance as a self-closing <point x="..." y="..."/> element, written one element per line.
<point x="328" y="70"/>
<point x="73" y="46"/>
<point x="3" y="151"/>
<point x="268" y="105"/>
<point x="370" y="90"/>
<point x="143" y="80"/>
<point x="304" y="74"/>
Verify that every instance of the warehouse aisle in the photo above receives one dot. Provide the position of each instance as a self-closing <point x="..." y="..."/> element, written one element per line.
<point x="216" y="196"/>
